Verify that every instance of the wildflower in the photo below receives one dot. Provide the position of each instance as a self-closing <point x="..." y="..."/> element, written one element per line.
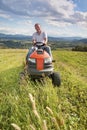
<point x="49" y="110"/>
<point x="55" y="123"/>
<point x="34" y="106"/>
<point x="44" y="125"/>
<point x="32" y="101"/>
<point x="16" y="126"/>
<point x="36" y="114"/>
<point x="32" y="127"/>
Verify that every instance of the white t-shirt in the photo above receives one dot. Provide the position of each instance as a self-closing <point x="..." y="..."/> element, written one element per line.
<point x="39" y="37"/>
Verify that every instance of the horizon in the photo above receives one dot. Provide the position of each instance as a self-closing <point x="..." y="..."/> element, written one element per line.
<point x="63" y="18"/>
<point x="48" y="35"/>
<point x="25" y="35"/>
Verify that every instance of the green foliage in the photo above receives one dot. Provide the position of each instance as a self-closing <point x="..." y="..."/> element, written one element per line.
<point x="54" y="44"/>
<point x="63" y="108"/>
<point x="80" y="48"/>
<point x="23" y="44"/>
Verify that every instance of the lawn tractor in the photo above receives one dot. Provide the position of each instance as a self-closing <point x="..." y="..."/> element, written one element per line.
<point x="40" y="65"/>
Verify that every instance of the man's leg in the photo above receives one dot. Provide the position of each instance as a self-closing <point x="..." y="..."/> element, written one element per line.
<point x="48" y="50"/>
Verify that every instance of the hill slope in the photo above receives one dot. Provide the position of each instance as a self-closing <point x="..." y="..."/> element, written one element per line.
<point x="61" y="108"/>
<point x="23" y="41"/>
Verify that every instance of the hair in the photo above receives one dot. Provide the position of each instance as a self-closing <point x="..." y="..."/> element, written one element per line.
<point x="37" y="24"/>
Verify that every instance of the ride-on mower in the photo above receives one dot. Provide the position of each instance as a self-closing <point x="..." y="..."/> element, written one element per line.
<point x="39" y="65"/>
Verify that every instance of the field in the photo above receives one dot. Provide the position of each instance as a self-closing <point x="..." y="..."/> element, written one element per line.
<point x="30" y="106"/>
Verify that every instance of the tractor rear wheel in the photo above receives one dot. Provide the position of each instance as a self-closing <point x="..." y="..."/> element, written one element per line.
<point x="56" y="80"/>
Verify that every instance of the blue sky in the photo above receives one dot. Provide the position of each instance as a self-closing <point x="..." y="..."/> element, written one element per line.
<point x="57" y="17"/>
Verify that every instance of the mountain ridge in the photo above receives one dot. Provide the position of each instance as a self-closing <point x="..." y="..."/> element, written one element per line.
<point x="26" y="37"/>
<point x="24" y="41"/>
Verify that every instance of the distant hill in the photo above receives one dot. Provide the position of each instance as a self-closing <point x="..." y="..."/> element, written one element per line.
<point x="26" y="37"/>
<point x="14" y="37"/>
<point x="24" y="41"/>
<point x="83" y="40"/>
<point x="64" y="38"/>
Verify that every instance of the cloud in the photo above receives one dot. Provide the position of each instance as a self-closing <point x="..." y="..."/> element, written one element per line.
<point x="37" y="8"/>
<point x="4" y="16"/>
<point x="13" y="30"/>
<point x="54" y="10"/>
<point x="80" y="16"/>
<point x="58" y="13"/>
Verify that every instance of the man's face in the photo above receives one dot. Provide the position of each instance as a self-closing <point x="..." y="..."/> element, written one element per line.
<point x="37" y="27"/>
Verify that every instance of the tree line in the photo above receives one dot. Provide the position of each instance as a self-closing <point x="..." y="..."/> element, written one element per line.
<point x="80" y="48"/>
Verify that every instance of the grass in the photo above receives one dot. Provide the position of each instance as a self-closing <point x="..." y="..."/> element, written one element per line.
<point x="32" y="106"/>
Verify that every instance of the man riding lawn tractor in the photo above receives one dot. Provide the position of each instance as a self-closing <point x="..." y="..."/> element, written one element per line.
<point x="39" y="58"/>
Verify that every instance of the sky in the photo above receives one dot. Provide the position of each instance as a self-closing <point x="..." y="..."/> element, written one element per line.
<point x="59" y="18"/>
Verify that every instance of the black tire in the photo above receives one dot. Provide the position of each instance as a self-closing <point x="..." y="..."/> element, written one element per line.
<point x="56" y="80"/>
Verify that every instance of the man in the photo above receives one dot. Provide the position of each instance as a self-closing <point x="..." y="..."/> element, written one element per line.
<point x="39" y="37"/>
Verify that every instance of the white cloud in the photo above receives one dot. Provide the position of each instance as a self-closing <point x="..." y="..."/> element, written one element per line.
<point x="63" y="7"/>
<point x="4" y="16"/>
<point x="62" y="11"/>
<point x="55" y="13"/>
<point x="38" y="7"/>
<point x="16" y="30"/>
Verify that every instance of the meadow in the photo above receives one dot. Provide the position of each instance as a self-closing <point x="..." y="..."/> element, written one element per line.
<point x="30" y="106"/>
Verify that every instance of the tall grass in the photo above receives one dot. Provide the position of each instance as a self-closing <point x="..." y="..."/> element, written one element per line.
<point x="31" y="106"/>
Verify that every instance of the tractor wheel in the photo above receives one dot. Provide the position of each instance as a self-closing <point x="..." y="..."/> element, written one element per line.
<point x="56" y="81"/>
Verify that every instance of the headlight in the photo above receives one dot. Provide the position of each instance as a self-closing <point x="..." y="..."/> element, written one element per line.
<point x="32" y="60"/>
<point x="47" y="60"/>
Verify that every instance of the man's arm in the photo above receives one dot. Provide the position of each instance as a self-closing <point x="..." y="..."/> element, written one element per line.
<point x="45" y="41"/>
<point x="45" y="38"/>
<point x="33" y="39"/>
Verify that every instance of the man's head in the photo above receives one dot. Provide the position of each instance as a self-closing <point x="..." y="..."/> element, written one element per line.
<point x="37" y="27"/>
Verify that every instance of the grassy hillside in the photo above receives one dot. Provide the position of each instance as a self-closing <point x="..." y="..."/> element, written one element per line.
<point x="32" y="106"/>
